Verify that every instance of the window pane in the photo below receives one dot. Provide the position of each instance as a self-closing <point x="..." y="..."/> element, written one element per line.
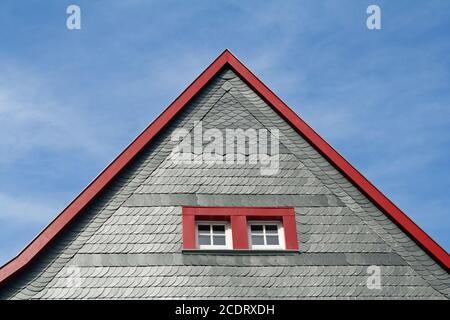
<point x="256" y="228"/>
<point x="204" y="240"/>
<point x="218" y="229"/>
<point x="257" y="240"/>
<point x="219" y="240"/>
<point x="203" y="227"/>
<point x="272" y="240"/>
<point x="272" y="229"/>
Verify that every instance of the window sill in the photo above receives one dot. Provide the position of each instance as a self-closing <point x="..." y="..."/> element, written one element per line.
<point x="241" y="251"/>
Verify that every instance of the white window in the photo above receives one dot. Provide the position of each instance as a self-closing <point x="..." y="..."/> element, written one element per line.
<point x="214" y="235"/>
<point x="266" y="235"/>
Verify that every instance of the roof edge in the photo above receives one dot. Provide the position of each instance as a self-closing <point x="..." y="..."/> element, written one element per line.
<point x="27" y="255"/>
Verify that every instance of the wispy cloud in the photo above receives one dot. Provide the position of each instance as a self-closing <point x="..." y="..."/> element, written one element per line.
<point x="33" y="116"/>
<point x="25" y="210"/>
<point x="21" y="219"/>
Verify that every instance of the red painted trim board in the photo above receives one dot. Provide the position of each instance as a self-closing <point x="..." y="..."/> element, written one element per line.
<point x="239" y="217"/>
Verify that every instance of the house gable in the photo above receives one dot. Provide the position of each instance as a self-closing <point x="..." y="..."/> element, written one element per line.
<point x="126" y="242"/>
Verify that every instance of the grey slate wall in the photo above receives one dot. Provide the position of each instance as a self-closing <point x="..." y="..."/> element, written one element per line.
<point x="127" y="244"/>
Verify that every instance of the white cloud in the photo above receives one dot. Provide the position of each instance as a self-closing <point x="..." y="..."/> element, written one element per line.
<point x="33" y="116"/>
<point x="24" y="210"/>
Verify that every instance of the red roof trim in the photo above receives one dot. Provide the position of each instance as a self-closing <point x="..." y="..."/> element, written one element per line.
<point x="107" y="175"/>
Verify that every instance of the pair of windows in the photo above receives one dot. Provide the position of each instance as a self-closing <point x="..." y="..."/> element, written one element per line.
<point x="239" y="228"/>
<point x="261" y="235"/>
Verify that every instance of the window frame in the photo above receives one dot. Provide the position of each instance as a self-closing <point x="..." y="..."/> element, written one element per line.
<point x="280" y="232"/>
<point x="238" y="217"/>
<point x="228" y="235"/>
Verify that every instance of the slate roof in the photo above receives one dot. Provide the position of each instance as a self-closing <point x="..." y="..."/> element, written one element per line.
<point x="127" y="243"/>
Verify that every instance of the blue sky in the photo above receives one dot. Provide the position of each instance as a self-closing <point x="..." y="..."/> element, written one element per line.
<point x="70" y="101"/>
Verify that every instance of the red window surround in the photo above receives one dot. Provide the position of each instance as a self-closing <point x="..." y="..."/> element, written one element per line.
<point x="239" y="217"/>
